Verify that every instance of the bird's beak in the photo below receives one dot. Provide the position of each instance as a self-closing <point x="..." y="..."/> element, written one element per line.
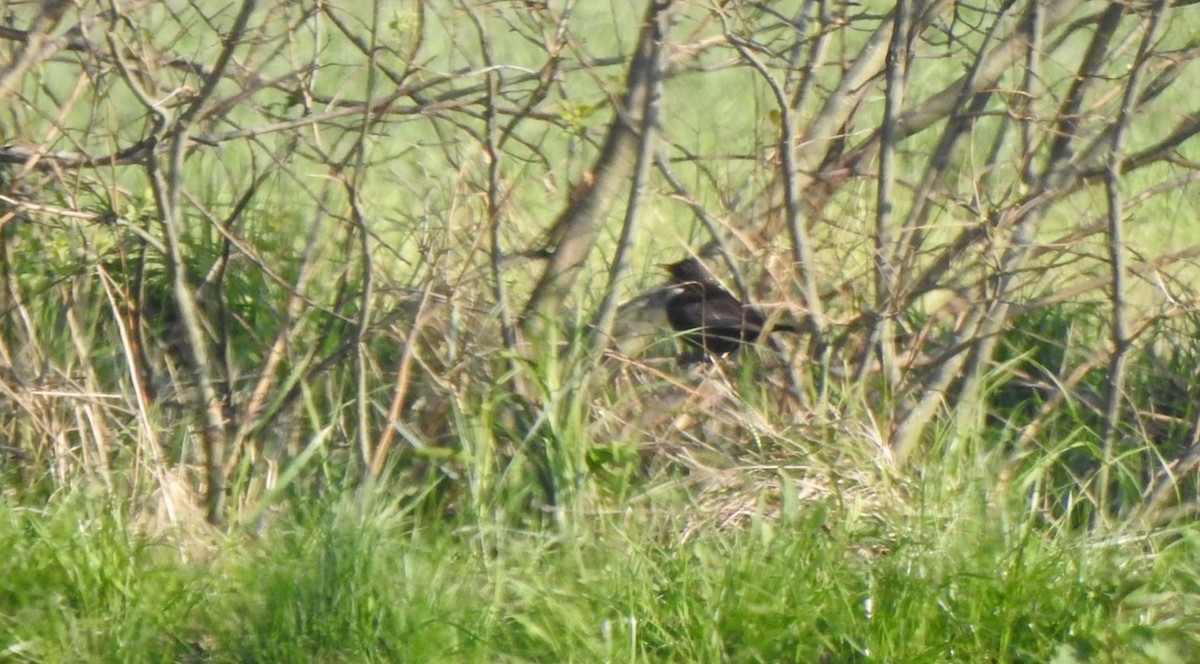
<point x="666" y="267"/>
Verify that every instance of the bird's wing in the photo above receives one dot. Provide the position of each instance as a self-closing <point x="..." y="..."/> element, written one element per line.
<point x="719" y="314"/>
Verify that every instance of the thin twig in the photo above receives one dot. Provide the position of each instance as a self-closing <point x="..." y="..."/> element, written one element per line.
<point x="1117" y="264"/>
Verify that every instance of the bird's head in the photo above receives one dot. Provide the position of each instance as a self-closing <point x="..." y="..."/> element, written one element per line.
<point x="687" y="270"/>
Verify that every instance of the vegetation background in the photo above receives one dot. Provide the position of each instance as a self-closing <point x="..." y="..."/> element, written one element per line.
<point x="330" y="331"/>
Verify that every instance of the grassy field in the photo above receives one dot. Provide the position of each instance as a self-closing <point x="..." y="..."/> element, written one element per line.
<point x="542" y="503"/>
<point x="964" y="576"/>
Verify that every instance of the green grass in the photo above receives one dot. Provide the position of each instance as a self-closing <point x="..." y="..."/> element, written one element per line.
<point x="969" y="577"/>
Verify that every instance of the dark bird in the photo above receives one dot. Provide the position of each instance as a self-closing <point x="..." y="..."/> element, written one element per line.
<point x="710" y="318"/>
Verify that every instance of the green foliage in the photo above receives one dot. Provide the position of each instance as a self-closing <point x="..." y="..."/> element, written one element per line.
<point x="350" y="577"/>
<point x="79" y="585"/>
